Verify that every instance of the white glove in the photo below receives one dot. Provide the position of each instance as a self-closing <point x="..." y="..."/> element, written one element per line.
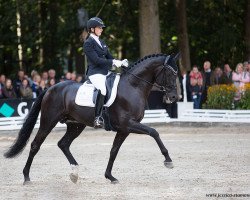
<point x="117" y="63"/>
<point x="125" y="63"/>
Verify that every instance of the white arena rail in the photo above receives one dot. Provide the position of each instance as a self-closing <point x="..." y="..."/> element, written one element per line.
<point x="207" y="115"/>
<point x="15" y="123"/>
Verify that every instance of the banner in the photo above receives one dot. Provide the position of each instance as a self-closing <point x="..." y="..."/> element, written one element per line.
<point x="15" y="107"/>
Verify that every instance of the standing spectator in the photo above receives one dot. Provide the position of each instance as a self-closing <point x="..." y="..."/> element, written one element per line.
<point x="171" y="107"/>
<point x="25" y="90"/>
<point x="189" y="95"/>
<point x="227" y="74"/>
<point x="217" y="77"/>
<point x="18" y="81"/>
<point x="42" y="87"/>
<point x="8" y="90"/>
<point x="245" y="66"/>
<point x="206" y="75"/>
<point x="35" y="84"/>
<point x="196" y="86"/>
<point x="239" y="79"/>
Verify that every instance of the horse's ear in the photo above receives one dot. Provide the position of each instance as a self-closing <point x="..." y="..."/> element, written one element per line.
<point x="177" y="56"/>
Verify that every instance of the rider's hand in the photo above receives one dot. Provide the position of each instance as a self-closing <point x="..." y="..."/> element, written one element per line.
<point x="125" y="63"/>
<point x="117" y="63"/>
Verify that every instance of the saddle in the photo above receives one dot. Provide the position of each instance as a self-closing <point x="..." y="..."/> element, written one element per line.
<point x="87" y="94"/>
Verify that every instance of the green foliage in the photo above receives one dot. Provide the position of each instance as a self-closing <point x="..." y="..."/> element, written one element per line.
<point x="215" y="31"/>
<point x="244" y="102"/>
<point x="220" y="97"/>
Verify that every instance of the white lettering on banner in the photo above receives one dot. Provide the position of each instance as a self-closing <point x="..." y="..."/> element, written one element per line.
<point x="19" y="109"/>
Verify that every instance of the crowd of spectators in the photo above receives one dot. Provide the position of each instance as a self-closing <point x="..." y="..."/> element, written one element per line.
<point x="198" y="81"/>
<point x="29" y="87"/>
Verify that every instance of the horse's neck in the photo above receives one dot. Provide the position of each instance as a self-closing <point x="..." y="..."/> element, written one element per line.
<point x="142" y="76"/>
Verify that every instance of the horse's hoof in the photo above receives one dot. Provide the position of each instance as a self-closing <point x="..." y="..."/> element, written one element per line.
<point x="26" y="182"/>
<point x="115" y="182"/>
<point x="73" y="177"/>
<point x="169" y="164"/>
<point x="74" y="174"/>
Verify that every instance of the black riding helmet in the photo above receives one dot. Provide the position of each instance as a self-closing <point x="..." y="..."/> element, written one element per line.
<point x="95" y="22"/>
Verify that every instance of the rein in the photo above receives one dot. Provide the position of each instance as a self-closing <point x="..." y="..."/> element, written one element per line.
<point x="164" y="66"/>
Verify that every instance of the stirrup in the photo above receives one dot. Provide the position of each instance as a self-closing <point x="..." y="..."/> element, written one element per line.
<point x="99" y="122"/>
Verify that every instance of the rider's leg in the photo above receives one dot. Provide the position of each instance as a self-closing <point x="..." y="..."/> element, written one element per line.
<point x="98" y="80"/>
<point x="98" y="123"/>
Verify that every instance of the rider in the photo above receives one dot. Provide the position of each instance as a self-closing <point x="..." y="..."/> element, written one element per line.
<point x="99" y="62"/>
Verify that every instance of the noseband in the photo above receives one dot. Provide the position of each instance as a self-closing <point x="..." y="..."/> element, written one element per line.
<point x="164" y="67"/>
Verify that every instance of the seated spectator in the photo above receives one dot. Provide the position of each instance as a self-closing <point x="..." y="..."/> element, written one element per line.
<point x="73" y="76"/>
<point x="217" y="77"/>
<point x="52" y="74"/>
<point x="227" y="74"/>
<point x="196" y="86"/>
<point x="2" y="79"/>
<point x="25" y="90"/>
<point x="239" y="79"/>
<point x="79" y="78"/>
<point x="45" y="77"/>
<point x="248" y="67"/>
<point x="67" y="76"/>
<point x="2" y="83"/>
<point x="8" y="90"/>
<point x="42" y="87"/>
<point x="51" y="82"/>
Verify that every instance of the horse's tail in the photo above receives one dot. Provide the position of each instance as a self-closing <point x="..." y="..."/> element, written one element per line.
<point x="26" y="130"/>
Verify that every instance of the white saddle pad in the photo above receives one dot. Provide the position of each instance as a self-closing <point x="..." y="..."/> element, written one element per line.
<point x="84" y="95"/>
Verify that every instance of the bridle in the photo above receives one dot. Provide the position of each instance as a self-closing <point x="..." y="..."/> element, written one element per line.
<point x="165" y="66"/>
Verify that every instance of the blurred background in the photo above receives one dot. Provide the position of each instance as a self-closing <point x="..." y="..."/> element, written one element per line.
<point x="44" y="34"/>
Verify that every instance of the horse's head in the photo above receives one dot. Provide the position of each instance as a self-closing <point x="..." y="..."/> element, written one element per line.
<point x="166" y="77"/>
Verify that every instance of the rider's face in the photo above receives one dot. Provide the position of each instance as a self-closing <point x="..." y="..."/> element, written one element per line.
<point x="98" y="31"/>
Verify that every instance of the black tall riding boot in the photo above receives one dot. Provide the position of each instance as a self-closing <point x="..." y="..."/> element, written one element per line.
<point x="98" y="123"/>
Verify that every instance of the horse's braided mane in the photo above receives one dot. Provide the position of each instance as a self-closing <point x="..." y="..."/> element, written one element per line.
<point x="145" y="58"/>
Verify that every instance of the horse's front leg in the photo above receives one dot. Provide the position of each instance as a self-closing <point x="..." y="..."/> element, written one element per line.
<point x="136" y="127"/>
<point x="119" y="139"/>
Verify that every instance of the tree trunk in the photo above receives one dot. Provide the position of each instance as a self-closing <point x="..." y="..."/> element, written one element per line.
<point x="247" y="30"/>
<point x="149" y="27"/>
<point x="41" y="17"/>
<point x="183" y="42"/>
<point x="18" y="30"/>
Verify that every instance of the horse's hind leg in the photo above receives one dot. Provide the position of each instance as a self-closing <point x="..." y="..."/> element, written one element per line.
<point x="73" y="131"/>
<point x="45" y="128"/>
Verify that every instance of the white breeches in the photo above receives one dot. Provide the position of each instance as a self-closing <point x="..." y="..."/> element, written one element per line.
<point x="99" y="81"/>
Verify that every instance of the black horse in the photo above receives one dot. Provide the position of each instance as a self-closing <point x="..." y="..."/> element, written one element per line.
<point x="57" y="104"/>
